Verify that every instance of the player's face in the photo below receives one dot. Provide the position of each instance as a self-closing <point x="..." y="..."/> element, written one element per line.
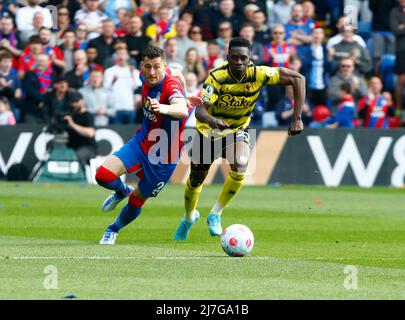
<point x="238" y="59"/>
<point x="154" y="70"/>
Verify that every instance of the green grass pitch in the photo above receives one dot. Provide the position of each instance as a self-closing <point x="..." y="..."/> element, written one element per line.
<point x="305" y="237"/>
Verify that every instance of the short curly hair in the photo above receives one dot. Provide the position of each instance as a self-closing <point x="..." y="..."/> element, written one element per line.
<point x="153" y="52"/>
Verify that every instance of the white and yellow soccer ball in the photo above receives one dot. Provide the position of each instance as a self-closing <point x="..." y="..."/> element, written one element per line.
<point x="237" y="240"/>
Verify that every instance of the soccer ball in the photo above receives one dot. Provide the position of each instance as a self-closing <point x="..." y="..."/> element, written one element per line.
<point x="237" y="240"/>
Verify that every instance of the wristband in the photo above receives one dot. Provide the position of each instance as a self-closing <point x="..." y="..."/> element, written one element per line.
<point x="164" y="109"/>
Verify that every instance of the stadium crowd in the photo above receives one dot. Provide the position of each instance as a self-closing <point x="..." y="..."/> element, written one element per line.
<point x="52" y="50"/>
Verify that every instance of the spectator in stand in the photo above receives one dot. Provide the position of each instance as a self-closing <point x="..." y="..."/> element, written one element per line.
<point x="27" y="60"/>
<point x="346" y="109"/>
<point x="346" y="74"/>
<point x="6" y="116"/>
<point x="374" y="109"/>
<point x="279" y="52"/>
<point x="172" y="60"/>
<point x="10" y="83"/>
<point x="341" y="25"/>
<point x="382" y="36"/>
<point x="68" y="48"/>
<point x="119" y="44"/>
<point x="111" y="8"/>
<point x="241" y="4"/>
<point x="247" y="32"/>
<point x="262" y="31"/>
<point x="298" y="32"/>
<point x="196" y="35"/>
<point x="35" y="85"/>
<point x="25" y="15"/>
<point x="8" y="38"/>
<point x="136" y="41"/>
<point x="25" y="35"/>
<point x="203" y="14"/>
<point x="183" y="41"/>
<point x="161" y="29"/>
<point x="81" y="71"/>
<point x="56" y="101"/>
<point x="318" y="69"/>
<point x="249" y="12"/>
<point x="226" y="12"/>
<point x="81" y="41"/>
<point x="92" y="17"/>
<point x="122" y="28"/>
<point x="55" y="53"/>
<point x="105" y="42"/>
<point x="123" y="79"/>
<point x="397" y="23"/>
<point x="91" y="53"/>
<point x="225" y="32"/>
<point x="98" y="100"/>
<point x="214" y="58"/>
<point x="309" y="12"/>
<point x="152" y="15"/>
<point x="349" y="48"/>
<point x="281" y="12"/>
<point x="187" y="16"/>
<point x="81" y="130"/>
<point x="194" y="65"/>
<point x="64" y="23"/>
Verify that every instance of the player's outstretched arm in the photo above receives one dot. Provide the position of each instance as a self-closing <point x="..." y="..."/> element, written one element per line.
<point x="177" y="107"/>
<point x="297" y="80"/>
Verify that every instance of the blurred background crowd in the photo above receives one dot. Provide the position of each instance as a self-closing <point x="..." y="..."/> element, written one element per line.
<point x="352" y="53"/>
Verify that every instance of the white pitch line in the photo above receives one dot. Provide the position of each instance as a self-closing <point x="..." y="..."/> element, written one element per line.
<point x="189" y="258"/>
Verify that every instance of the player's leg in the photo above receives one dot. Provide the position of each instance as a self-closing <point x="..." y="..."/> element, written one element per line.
<point x="128" y="214"/>
<point x="203" y="154"/>
<point x="237" y="155"/>
<point x="192" y="192"/>
<point x="108" y="176"/>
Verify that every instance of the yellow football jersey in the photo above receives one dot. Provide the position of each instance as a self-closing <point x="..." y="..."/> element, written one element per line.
<point x="233" y="100"/>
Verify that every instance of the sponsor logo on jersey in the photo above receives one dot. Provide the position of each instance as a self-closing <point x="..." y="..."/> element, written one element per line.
<point x="229" y="102"/>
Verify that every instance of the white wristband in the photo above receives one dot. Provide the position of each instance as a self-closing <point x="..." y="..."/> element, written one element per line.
<point x="164" y="109"/>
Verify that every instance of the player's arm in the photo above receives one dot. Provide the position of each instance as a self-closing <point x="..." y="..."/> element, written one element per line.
<point x="297" y="81"/>
<point x="176" y="109"/>
<point x="202" y="115"/>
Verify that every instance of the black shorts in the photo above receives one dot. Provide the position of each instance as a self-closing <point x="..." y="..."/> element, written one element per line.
<point x="205" y="151"/>
<point x="400" y="63"/>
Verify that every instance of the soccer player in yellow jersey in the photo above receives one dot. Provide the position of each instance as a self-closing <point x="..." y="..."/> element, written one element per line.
<point x="229" y="96"/>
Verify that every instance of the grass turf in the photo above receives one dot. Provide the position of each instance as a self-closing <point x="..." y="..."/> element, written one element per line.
<point x="304" y="239"/>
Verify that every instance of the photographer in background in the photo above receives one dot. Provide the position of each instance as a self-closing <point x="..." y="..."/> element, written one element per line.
<point x="80" y="128"/>
<point x="56" y="104"/>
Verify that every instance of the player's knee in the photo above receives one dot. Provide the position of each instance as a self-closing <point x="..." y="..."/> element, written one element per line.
<point x="103" y="175"/>
<point x="196" y="180"/>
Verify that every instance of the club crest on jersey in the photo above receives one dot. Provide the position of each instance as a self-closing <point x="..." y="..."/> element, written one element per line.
<point x="209" y="90"/>
<point x="248" y="87"/>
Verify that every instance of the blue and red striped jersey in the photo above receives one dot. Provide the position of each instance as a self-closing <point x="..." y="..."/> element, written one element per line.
<point x="160" y="131"/>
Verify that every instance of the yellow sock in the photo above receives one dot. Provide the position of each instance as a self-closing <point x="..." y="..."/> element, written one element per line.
<point x="231" y="187"/>
<point x="191" y="196"/>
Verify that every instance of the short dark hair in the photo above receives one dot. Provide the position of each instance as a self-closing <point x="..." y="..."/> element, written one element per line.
<point x="240" y="42"/>
<point x="346" y="87"/>
<point x="35" y="39"/>
<point x="153" y="52"/>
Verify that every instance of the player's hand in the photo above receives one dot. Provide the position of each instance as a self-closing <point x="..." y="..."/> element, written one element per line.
<point x="194" y="101"/>
<point x="218" y="124"/>
<point x="157" y="107"/>
<point x="296" y="127"/>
